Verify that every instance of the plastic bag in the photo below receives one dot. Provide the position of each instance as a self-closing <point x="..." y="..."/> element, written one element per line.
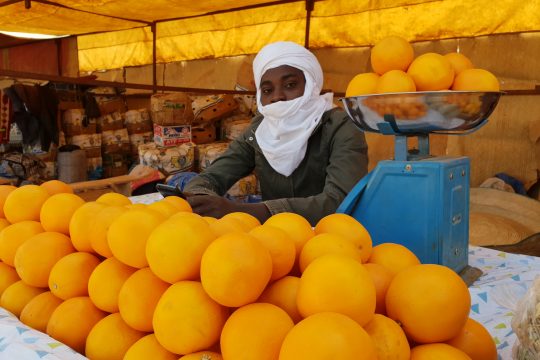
<point x="526" y="325"/>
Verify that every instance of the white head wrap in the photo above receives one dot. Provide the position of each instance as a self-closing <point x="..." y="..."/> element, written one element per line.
<point x="287" y="125"/>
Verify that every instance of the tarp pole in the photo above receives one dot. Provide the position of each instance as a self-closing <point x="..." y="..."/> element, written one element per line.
<point x="309" y="9"/>
<point x="154" y="57"/>
<point x="27" y="4"/>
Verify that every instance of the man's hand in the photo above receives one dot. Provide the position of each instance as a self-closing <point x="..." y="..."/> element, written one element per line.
<point x="217" y="207"/>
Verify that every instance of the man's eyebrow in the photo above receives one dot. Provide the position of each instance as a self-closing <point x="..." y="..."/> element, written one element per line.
<point x="266" y="82"/>
<point x="290" y="75"/>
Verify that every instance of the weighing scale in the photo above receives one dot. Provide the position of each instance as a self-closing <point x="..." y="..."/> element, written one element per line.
<point x="418" y="200"/>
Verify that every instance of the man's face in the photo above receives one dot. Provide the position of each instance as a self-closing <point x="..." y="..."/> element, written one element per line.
<point x="282" y="84"/>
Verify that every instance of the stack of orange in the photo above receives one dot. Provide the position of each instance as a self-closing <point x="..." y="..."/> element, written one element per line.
<point x="118" y="281"/>
<point x="395" y="69"/>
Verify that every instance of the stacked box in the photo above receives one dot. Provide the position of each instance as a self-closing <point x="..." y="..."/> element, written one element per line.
<point x="203" y="134"/>
<point x="171" y="109"/>
<point x="74" y="122"/>
<point x="115" y="141"/>
<point x="113" y="121"/>
<point x="90" y="143"/>
<point x="210" y="108"/>
<point x="136" y="140"/>
<point x="114" y="164"/>
<point x="234" y="127"/>
<point x="168" y="160"/>
<point x="171" y="135"/>
<point x="140" y="129"/>
<point x="207" y="153"/>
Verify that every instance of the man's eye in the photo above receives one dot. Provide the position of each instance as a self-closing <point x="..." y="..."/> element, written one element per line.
<point x="290" y="85"/>
<point x="266" y="91"/>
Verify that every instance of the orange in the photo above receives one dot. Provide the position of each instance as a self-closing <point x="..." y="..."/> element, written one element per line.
<point x="235" y="269"/>
<point x="279" y="245"/>
<point x="185" y="306"/>
<point x="437" y="351"/>
<point x="69" y="276"/>
<point x="298" y="228"/>
<point x="209" y="219"/>
<point x="63" y="328"/>
<point x="38" y="311"/>
<point x="348" y="227"/>
<point x="8" y="276"/>
<point x="248" y="220"/>
<point x="179" y="203"/>
<point x="431" y="72"/>
<point x="17" y="295"/>
<point x="362" y="84"/>
<point x="327" y="336"/>
<point x="391" y="53"/>
<point x="282" y="293"/>
<point x="225" y="226"/>
<point x="111" y="338"/>
<point x="14" y="236"/>
<point x="202" y="355"/>
<point x="101" y="222"/>
<point x="395" y="81"/>
<point x="54" y="187"/>
<point x="138" y="298"/>
<point x="255" y="332"/>
<point x="147" y="348"/>
<point x="459" y="62"/>
<point x="134" y="206"/>
<point x="175" y="248"/>
<point x="337" y="283"/>
<point x="431" y="302"/>
<point x="389" y="339"/>
<point x="475" y="80"/>
<point x="36" y="257"/>
<point x="475" y="341"/>
<point x="24" y="203"/>
<point x="128" y="234"/>
<point x="382" y="277"/>
<point x="113" y="199"/>
<point x="5" y="190"/>
<point x="166" y="208"/>
<point x="57" y="211"/>
<point x="4" y="224"/>
<point x="105" y="283"/>
<point x="81" y="223"/>
<point x="324" y="244"/>
<point x="394" y="257"/>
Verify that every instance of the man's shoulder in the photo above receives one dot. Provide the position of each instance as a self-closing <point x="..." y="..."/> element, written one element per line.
<point x="336" y="118"/>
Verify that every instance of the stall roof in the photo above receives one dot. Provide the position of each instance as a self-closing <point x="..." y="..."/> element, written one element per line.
<point x="118" y="33"/>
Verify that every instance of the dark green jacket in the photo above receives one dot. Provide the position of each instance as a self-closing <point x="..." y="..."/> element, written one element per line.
<point x="336" y="159"/>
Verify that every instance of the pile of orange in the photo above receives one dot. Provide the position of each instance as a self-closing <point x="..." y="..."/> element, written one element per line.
<point x="118" y="281"/>
<point x="396" y="69"/>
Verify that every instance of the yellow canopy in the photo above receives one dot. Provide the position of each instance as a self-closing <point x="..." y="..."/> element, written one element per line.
<point x="207" y="28"/>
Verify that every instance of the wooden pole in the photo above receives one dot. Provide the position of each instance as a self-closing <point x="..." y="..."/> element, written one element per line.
<point x="154" y="57"/>
<point x="309" y="9"/>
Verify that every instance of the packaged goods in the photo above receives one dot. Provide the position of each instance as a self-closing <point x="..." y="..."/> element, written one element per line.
<point x="212" y="108"/>
<point x="171" y="109"/>
<point x="114" y="165"/>
<point x="525" y="324"/>
<point x="233" y="127"/>
<point x="207" y="153"/>
<point x="113" y="121"/>
<point x="203" y="134"/>
<point x="75" y="122"/>
<point x="94" y="166"/>
<point x="243" y="187"/>
<point x="115" y="141"/>
<point x="137" y="139"/>
<point x="171" y="135"/>
<point x="169" y="160"/>
<point x="138" y="121"/>
<point x="90" y="143"/>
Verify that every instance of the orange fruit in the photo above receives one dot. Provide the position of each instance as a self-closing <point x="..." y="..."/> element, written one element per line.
<point x="362" y="84"/>
<point x="8" y="276"/>
<point x="179" y="203"/>
<point x="459" y="62"/>
<point x="14" y="236"/>
<point x="395" y="81"/>
<point x="36" y="257"/>
<point x="97" y="233"/>
<point x="81" y="223"/>
<point x="175" y="248"/>
<point x="327" y="336"/>
<point x="5" y="190"/>
<point x="38" y="311"/>
<point x="17" y="295"/>
<point x="282" y="293"/>
<point x="128" y="234"/>
<point x="113" y="199"/>
<point x="394" y="257"/>
<point x="105" y="283"/>
<point x="437" y="351"/>
<point x="475" y="341"/>
<point x="255" y="331"/>
<point x="225" y="226"/>
<point x="183" y="307"/>
<point x="202" y="355"/>
<point x="54" y="187"/>
<point x="248" y="220"/>
<point x="279" y="245"/>
<point x="63" y="328"/>
<point x="298" y="228"/>
<point x="111" y="338"/>
<point x="348" y="227"/>
<point x="4" y="224"/>
<point x="382" y="277"/>
<point x="324" y="244"/>
<point x="69" y="276"/>
<point x="134" y="206"/>
<point x="391" y="53"/>
<point x="166" y="208"/>
<point x="337" y="283"/>
<point x="24" y="203"/>
<point x="209" y="219"/>
<point x="431" y="72"/>
<point x="389" y="339"/>
<point x="431" y="302"/>
<point x="235" y="269"/>
<point x="475" y="80"/>
<point x="138" y="298"/>
<point x="57" y="211"/>
<point x="147" y="348"/>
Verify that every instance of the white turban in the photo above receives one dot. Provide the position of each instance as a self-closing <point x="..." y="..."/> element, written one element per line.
<point x="287" y="125"/>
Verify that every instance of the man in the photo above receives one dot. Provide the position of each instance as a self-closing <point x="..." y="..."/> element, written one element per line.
<point x="306" y="154"/>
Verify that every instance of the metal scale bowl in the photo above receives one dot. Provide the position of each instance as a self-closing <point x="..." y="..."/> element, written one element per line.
<point x="418" y="200"/>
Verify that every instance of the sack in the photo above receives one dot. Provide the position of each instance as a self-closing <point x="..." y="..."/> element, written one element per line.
<point x="23" y="166"/>
<point x="526" y="325"/>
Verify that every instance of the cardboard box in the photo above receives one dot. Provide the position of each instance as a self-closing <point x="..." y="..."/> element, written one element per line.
<point x="171" y="135"/>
